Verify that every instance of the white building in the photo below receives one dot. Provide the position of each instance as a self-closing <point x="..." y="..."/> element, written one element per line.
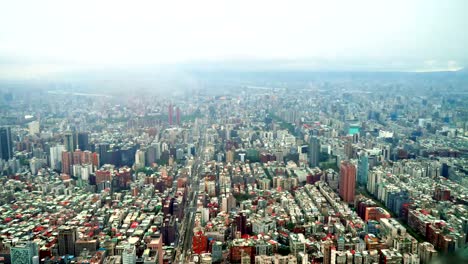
<point x="56" y="157"/>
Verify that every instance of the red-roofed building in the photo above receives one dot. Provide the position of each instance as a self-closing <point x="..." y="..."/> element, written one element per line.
<point x="375" y="213"/>
<point x="199" y="243"/>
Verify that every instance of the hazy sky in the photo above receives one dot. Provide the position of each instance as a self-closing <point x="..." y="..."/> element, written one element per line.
<point x="38" y="37"/>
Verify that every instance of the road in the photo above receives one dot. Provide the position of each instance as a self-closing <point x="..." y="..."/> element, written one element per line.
<point x="186" y="230"/>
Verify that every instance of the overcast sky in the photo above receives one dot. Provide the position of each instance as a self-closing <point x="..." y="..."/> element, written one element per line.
<point x="38" y="37"/>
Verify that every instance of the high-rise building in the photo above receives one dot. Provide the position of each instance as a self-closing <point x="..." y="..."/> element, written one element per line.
<point x="156" y="245"/>
<point x="199" y="242"/>
<point x="427" y="252"/>
<point x="123" y="177"/>
<point x="77" y="156"/>
<point x="228" y="133"/>
<point x="363" y="169"/>
<point x="67" y="161"/>
<point x="169" y="116"/>
<point x="82" y="139"/>
<point x="56" y="157"/>
<point x="103" y="176"/>
<point x="347" y="181"/>
<point x="314" y="151"/>
<point x="69" y="141"/>
<point x="6" y="143"/>
<point x="103" y="148"/>
<point x="169" y="230"/>
<point x="150" y="155"/>
<point x="140" y="158"/>
<point x="178" y="116"/>
<point x="241" y="223"/>
<point x="66" y="240"/>
<point x="86" y="157"/>
<point x="348" y="147"/>
<point x="157" y="147"/>
<point x="23" y="253"/>
<point x="96" y="161"/>
<point x="386" y="152"/>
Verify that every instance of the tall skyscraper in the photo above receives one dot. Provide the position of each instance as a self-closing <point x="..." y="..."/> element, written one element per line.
<point x="314" y="151"/>
<point x="157" y="145"/>
<point x="150" y="155"/>
<point x="363" y="169"/>
<point x="6" y="143"/>
<point x="241" y="223"/>
<point x="96" y="161"/>
<point x="56" y="157"/>
<point x="103" y="148"/>
<point x="348" y="147"/>
<point x="170" y="110"/>
<point x="86" y="157"/>
<point x="69" y="141"/>
<point x="178" y="116"/>
<point x="140" y="158"/>
<point x="76" y="156"/>
<point x="82" y="139"/>
<point x="347" y="181"/>
<point x="67" y="161"/>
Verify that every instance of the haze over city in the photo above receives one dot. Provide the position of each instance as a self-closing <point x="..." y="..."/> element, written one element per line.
<point x="46" y="38"/>
<point x="249" y="132"/>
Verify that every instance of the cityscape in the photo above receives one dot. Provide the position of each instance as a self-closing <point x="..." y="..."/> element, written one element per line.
<point x="256" y="174"/>
<point x="221" y="132"/>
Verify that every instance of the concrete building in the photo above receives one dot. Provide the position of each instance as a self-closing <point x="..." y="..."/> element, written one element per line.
<point x="347" y="181"/>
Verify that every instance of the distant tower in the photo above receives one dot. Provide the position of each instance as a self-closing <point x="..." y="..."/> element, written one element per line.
<point x="314" y="152"/>
<point x="347" y="181"/>
<point x="348" y="147"/>
<point x="66" y="161"/>
<point x="170" y="109"/>
<point x="103" y="148"/>
<point x="241" y="223"/>
<point x="56" y="156"/>
<point x="363" y="169"/>
<point x="140" y="158"/>
<point x="96" y="161"/>
<point x="77" y="156"/>
<point x="6" y="143"/>
<point x="69" y="141"/>
<point x="178" y="116"/>
<point x="83" y="140"/>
